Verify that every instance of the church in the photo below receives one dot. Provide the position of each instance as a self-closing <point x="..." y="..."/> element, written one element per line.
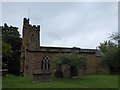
<point x="37" y="59"/>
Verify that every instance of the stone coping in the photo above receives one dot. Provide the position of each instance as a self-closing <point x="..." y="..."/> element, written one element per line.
<point x="42" y="73"/>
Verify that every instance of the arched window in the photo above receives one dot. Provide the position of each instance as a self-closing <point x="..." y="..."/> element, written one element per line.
<point x="45" y="63"/>
<point x="42" y="64"/>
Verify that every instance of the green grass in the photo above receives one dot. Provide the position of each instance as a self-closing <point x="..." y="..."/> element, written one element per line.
<point x="0" y="81"/>
<point x="88" y="81"/>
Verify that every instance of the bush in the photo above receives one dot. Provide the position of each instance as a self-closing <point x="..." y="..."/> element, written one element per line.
<point x="59" y="74"/>
<point x="73" y="61"/>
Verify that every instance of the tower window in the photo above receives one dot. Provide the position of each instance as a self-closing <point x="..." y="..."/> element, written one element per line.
<point x="32" y="38"/>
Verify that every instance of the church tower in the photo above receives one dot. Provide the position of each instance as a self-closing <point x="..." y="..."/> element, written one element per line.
<point x="30" y="41"/>
<point x="31" y="35"/>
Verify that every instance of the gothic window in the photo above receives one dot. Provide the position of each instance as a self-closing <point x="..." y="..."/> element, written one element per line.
<point x="45" y="64"/>
<point x="42" y="64"/>
<point x="32" y="38"/>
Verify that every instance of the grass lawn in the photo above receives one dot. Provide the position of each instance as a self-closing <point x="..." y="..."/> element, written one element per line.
<point x="0" y="81"/>
<point x="88" y="81"/>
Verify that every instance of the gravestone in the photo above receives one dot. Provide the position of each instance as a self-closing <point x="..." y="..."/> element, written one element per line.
<point x="42" y="77"/>
<point x="3" y="72"/>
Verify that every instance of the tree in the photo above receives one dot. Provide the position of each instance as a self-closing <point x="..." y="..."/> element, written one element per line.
<point x="115" y="37"/>
<point x="11" y="36"/>
<point x="110" y="51"/>
<point x="106" y="46"/>
<point x="6" y="54"/>
<point x="6" y="50"/>
<point x="72" y="62"/>
<point x="0" y="51"/>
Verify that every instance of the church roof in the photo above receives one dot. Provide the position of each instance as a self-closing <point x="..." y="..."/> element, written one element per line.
<point x="67" y="50"/>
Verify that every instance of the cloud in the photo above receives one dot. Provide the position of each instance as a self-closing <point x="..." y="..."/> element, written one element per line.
<point x="83" y="24"/>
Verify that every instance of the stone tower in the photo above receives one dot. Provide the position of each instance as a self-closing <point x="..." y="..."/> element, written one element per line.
<point x="30" y="35"/>
<point x="30" y="41"/>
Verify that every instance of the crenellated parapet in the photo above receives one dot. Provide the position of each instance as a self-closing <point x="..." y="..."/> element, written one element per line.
<point x="34" y="27"/>
<point x="26" y="21"/>
<point x="27" y="24"/>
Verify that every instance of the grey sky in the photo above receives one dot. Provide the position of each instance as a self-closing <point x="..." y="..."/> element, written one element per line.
<point x="83" y="24"/>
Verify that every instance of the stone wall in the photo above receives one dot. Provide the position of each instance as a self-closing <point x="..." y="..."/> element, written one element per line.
<point x="33" y="62"/>
<point x="91" y="65"/>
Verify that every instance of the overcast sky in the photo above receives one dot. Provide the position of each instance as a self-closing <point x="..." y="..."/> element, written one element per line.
<point x="78" y="24"/>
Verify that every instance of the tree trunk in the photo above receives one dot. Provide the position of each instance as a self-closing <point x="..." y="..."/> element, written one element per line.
<point x="66" y="71"/>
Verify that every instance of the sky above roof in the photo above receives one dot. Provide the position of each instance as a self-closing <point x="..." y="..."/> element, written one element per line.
<point x="67" y="24"/>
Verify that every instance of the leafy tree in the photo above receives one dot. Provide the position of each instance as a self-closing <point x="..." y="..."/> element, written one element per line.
<point x="75" y="62"/>
<point x="115" y="37"/>
<point x="6" y="54"/>
<point x="110" y="51"/>
<point x="0" y="50"/>
<point x="11" y="37"/>
<point x="6" y="50"/>
<point x="106" y="45"/>
<point x="71" y="59"/>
